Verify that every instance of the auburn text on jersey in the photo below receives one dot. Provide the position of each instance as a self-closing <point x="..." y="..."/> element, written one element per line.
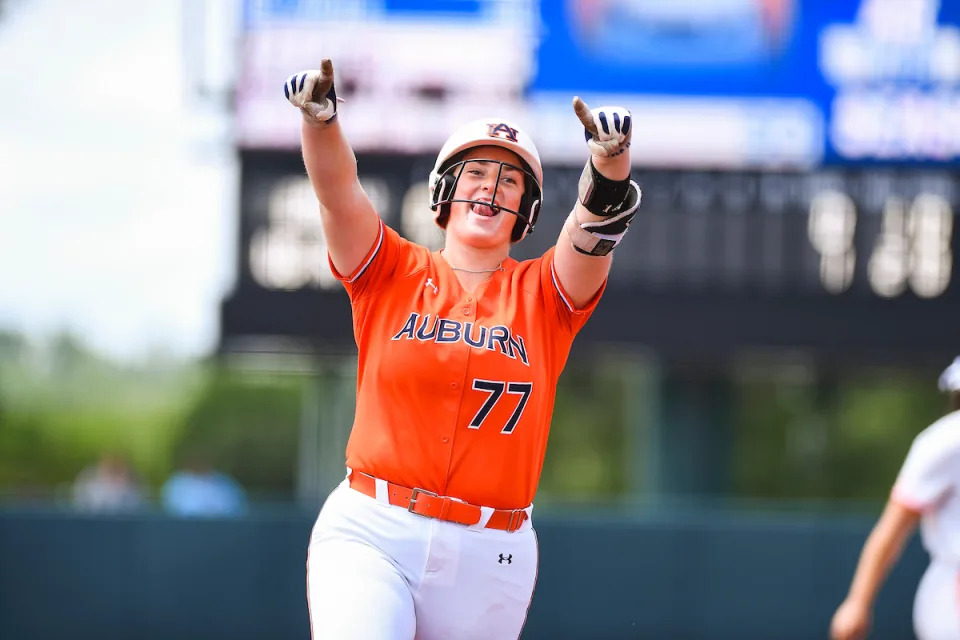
<point x="449" y="331"/>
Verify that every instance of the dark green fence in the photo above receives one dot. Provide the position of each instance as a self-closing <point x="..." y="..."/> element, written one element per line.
<point x="696" y="576"/>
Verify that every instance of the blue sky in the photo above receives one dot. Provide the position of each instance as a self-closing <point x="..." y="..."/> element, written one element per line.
<point x="117" y="193"/>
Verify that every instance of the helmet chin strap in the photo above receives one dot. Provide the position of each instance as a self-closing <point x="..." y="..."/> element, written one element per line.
<point x="446" y="185"/>
<point x="521" y="226"/>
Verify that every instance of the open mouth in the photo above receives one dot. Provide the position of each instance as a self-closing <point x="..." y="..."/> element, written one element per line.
<point x="487" y="210"/>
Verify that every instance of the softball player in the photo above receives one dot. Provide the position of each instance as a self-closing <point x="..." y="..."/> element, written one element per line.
<point x="429" y="536"/>
<point x="926" y="490"/>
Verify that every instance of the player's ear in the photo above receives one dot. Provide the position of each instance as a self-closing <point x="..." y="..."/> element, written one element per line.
<point x="444" y="189"/>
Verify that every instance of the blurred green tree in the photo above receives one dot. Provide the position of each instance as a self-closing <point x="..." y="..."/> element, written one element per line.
<point x="248" y="426"/>
<point x="836" y="436"/>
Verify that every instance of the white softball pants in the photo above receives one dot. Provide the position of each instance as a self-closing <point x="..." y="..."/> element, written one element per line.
<point x="379" y="572"/>
<point x="936" y="607"/>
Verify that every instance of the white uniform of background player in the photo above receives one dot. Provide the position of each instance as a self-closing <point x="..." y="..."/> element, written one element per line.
<point x="927" y="490"/>
<point x="929" y="483"/>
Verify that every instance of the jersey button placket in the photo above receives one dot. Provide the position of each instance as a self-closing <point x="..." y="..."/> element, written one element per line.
<point x="467" y="309"/>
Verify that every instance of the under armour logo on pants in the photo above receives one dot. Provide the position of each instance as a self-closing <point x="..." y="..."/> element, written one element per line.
<point x="508" y="559"/>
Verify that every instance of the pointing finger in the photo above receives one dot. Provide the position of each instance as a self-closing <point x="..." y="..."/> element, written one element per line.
<point x="325" y="81"/>
<point x="583" y="112"/>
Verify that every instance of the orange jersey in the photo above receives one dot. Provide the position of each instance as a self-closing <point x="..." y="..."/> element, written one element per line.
<point x="455" y="390"/>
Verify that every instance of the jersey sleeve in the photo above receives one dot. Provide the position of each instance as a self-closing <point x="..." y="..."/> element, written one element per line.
<point x="559" y="305"/>
<point x="389" y="255"/>
<point x="927" y="474"/>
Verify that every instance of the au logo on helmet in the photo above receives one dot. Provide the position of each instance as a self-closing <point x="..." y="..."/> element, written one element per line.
<point x="492" y="131"/>
<point x="495" y="129"/>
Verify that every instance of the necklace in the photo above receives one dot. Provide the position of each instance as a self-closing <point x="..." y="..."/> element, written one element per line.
<point x="499" y="267"/>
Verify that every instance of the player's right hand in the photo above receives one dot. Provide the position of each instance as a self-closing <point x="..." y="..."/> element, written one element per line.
<point x="850" y="622"/>
<point x="312" y="92"/>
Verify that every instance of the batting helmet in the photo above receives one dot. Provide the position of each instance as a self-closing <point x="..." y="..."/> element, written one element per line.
<point x="480" y="133"/>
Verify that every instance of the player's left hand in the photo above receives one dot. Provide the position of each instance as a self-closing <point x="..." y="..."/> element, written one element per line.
<point x="607" y="129"/>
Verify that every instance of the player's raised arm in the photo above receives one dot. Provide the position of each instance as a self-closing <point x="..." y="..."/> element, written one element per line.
<point x="606" y="203"/>
<point x="350" y="223"/>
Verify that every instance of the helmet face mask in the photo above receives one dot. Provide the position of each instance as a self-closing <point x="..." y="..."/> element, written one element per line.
<point x="446" y="188"/>
<point x="483" y="133"/>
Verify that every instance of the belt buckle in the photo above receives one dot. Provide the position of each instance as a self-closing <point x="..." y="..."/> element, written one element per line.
<point x="413" y="500"/>
<point x="518" y="515"/>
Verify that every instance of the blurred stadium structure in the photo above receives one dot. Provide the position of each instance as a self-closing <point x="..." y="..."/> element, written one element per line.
<point x="772" y="333"/>
<point x="800" y="167"/>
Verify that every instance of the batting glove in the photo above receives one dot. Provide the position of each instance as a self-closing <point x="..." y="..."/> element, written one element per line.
<point x="606" y="129"/>
<point x="313" y="92"/>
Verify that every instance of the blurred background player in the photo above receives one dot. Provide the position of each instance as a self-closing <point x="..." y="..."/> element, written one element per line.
<point x="927" y="490"/>
<point x="197" y="489"/>
<point x="459" y="353"/>
<point x="109" y="485"/>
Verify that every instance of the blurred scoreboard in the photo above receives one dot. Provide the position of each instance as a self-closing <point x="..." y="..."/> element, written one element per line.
<point x="846" y="262"/>
<point x="718" y="83"/>
<point x="800" y="160"/>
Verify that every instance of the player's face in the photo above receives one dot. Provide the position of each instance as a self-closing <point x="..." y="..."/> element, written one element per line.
<point x="486" y="182"/>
